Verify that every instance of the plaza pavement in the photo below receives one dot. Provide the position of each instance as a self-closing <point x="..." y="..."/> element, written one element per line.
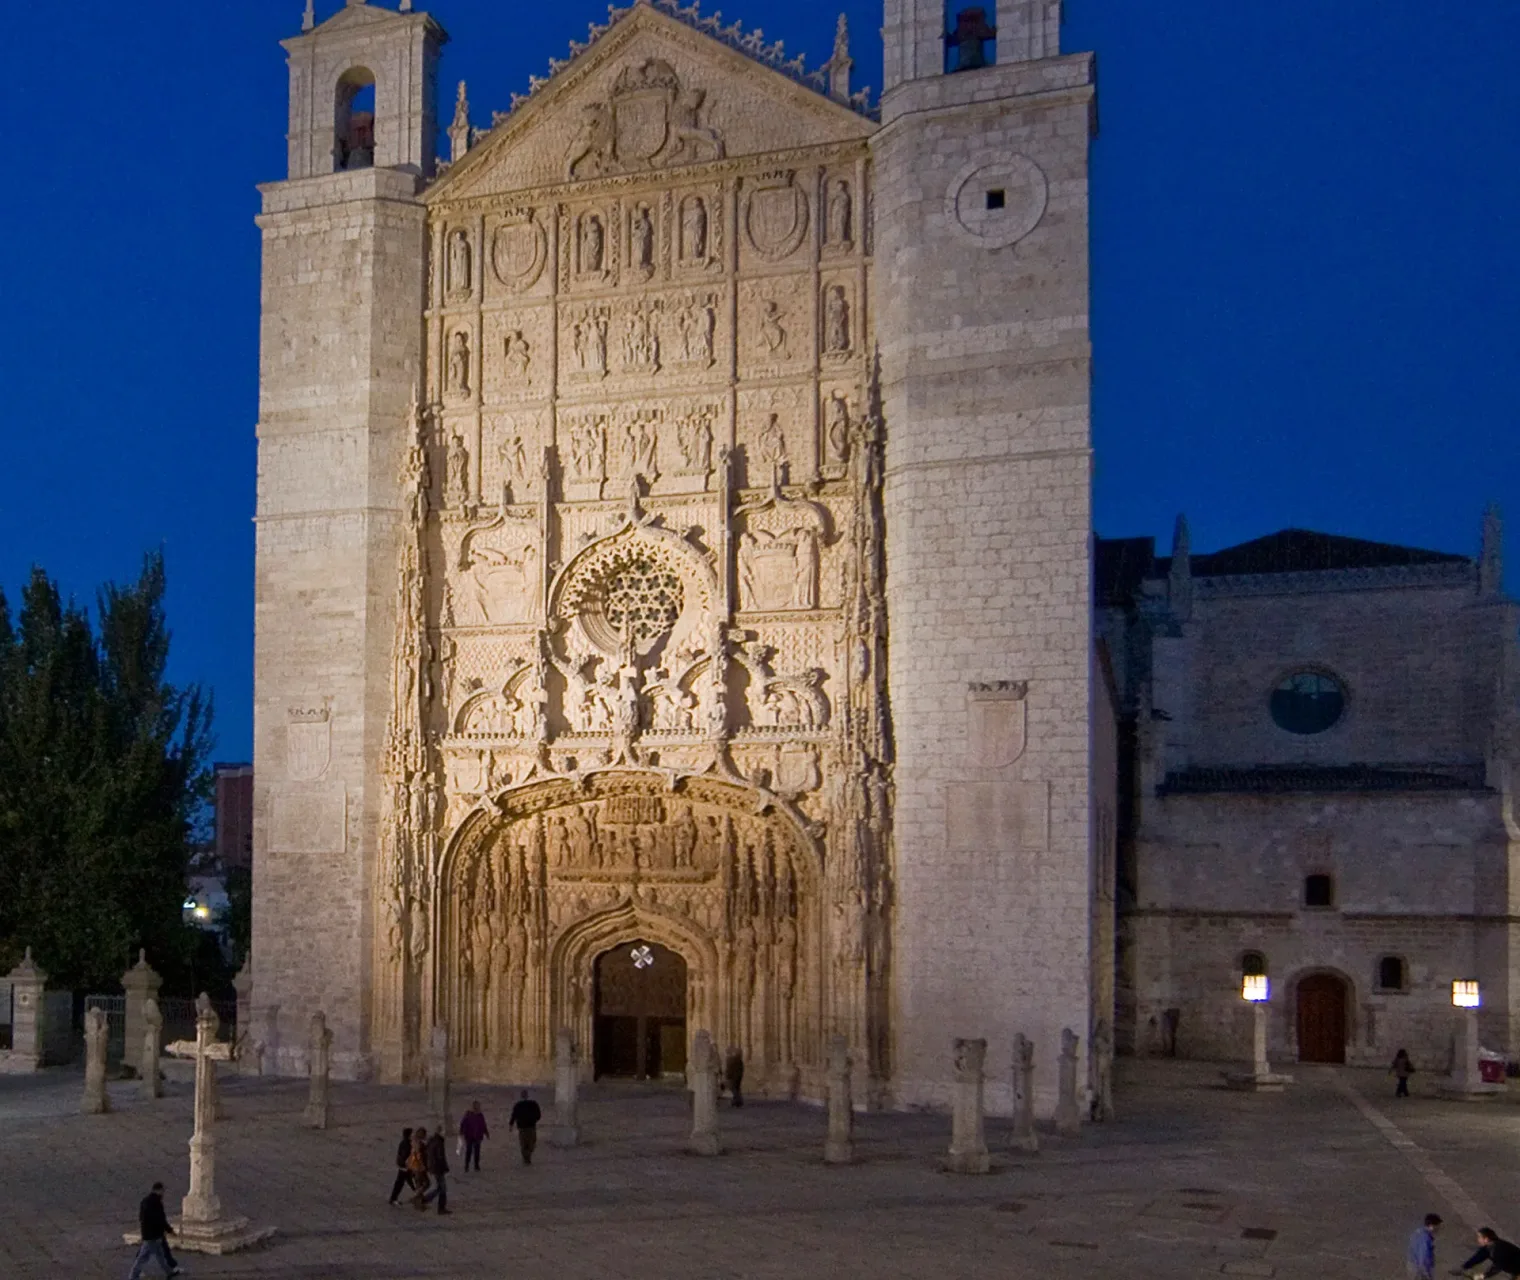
<point x="1324" y="1180"/>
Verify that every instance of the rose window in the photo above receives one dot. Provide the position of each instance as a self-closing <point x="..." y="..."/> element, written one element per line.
<point x="642" y="600"/>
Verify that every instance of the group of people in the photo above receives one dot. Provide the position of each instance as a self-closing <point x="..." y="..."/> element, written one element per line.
<point x="422" y="1161"/>
<point x="1502" y="1257"/>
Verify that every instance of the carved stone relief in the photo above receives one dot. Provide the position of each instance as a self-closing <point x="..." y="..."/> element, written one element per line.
<point x="515" y="354"/>
<point x="497" y="572"/>
<point x="839" y="217"/>
<point x="775" y="326"/>
<point x="774" y="215"/>
<point x="458" y="377"/>
<point x="461" y="266"/>
<point x="512" y="455"/>
<point x="650" y="120"/>
<point x="519" y="249"/>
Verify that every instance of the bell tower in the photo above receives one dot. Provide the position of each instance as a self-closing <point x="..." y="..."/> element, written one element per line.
<point x="981" y="277"/>
<point x="344" y="282"/>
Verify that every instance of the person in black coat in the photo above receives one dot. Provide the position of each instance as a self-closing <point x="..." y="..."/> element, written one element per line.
<point x="524" y="1118"/>
<point x="153" y="1223"/>
<point x="1502" y="1257"/>
<point x="438" y="1169"/>
<point x="403" y="1178"/>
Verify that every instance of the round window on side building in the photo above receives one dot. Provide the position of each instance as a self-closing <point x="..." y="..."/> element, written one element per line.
<point x="1307" y="702"/>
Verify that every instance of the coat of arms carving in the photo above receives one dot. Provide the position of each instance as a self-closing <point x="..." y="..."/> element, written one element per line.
<point x="648" y="121"/>
<point x="308" y="742"/>
<point x="996" y="722"/>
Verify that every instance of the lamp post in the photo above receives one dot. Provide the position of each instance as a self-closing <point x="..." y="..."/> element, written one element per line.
<point x="1466" y="1079"/>
<point x="1256" y="991"/>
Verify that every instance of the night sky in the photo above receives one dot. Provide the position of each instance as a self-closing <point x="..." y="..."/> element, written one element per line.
<point x="1305" y="272"/>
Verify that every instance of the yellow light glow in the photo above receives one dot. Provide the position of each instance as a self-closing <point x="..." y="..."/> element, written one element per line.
<point x="1253" y="987"/>
<point x="1464" y="993"/>
<point x="203" y="913"/>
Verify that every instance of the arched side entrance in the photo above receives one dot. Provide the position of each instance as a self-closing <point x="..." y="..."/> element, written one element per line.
<point x="639" y="1020"/>
<point x="1321" y="1013"/>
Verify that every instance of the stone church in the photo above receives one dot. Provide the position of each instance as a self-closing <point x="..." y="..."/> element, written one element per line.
<point x="674" y="557"/>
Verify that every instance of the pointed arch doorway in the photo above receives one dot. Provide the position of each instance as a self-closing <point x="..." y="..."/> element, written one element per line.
<point x="639" y="1028"/>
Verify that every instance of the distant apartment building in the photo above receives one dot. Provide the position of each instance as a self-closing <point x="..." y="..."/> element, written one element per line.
<point x="234" y="814"/>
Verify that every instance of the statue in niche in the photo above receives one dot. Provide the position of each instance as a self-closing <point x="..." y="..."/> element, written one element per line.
<point x="641" y="447"/>
<point x="456" y="491"/>
<point x="694" y="439"/>
<point x="589" y="336"/>
<point x="588" y="445"/>
<point x="693" y="229"/>
<point x="836" y="320"/>
<point x="460" y="254"/>
<point x="514" y="458"/>
<point x="684" y="842"/>
<point x="771" y="445"/>
<point x="459" y="364"/>
<point x="779" y="571"/>
<point x="641" y="240"/>
<point x="840" y="214"/>
<point x="836" y="428"/>
<point x="517" y="354"/>
<point x="641" y="343"/>
<point x="591" y="243"/>
<point x="772" y="334"/>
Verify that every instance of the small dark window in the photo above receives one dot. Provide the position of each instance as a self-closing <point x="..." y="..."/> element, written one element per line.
<point x="995" y="198"/>
<point x="1253" y="965"/>
<point x="1391" y="973"/>
<point x="1307" y="702"/>
<point x="1319" y="891"/>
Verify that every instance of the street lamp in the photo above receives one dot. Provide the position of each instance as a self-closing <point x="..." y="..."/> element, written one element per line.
<point x="1256" y="991"/>
<point x="1465" y="993"/>
<point x="1466" y="1079"/>
<point x="1255" y="988"/>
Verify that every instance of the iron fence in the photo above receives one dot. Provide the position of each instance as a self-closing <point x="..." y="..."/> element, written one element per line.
<point x="7" y="1017"/>
<point x="179" y="1018"/>
<point x="115" y="1009"/>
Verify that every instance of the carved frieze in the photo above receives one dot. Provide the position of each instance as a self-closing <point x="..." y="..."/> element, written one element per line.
<point x="775" y="326"/>
<point x="517" y="353"/>
<point x="650" y="120"/>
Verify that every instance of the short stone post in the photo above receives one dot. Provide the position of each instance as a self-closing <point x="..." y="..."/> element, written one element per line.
<point x="839" y="1146"/>
<point x="141" y="984"/>
<point x="266" y="1040"/>
<point x="565" y="1131"/>
<point x="28" y="984"/>
<point x="149" y="1074"/>
<point x="247" y="1056"/>
<point x="318" y="1106"/>
<point x="703" y="1074"/>
<point x="97" y="1033"/>
<point x="1103" y="1069"/>
<point x="1068" y="1118"/>
<point x="968" y="1139"/>
<point x="438" y="1081"/>
<point x="1024" y="1136"/>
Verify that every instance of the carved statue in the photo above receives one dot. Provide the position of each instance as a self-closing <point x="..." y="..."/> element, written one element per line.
<point x="459" y="364"/>
<point x="694" y="439"/>
<point x="771" y="446"/>
<point x="588" y="445"/>
<point x="836" y="320"/>
<point x="593" y="143"/>
<point x="772" y="334"/>
<point x="693" y="229"/>
<point x="461" y="279"/>
<point x="693" y="141"/>
<point x="514" y="458"/>
<point x="517" y="354"/>
<point x="457" y="473"/>
<point x="641" y="238"/>
<point x="840" y="214"/>
<point x="591" y="243"/>
<point x="836" y="428"/>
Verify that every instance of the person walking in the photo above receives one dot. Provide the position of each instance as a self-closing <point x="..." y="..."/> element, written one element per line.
<point x="1402" y="1068"/>
<point x="1420" y="1260"/>
<point x="1502" y="1257"/>
<point x="403" y="1175"/>
<point x="474" y="1131"/>
<point x="417" y="1168"/>
<point x="733" y="1074"/>
<point x="438" y="1170"/>
<point x="524" y="1118"/>
<point x="153" y="1223"/>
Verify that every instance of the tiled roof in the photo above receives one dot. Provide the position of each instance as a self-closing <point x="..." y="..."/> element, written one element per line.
<point x="1303" y="550"/>
<point x="1282" y="779"/>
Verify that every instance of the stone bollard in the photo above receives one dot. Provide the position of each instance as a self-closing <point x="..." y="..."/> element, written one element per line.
<point x="266" y="1040"/>
<point x="318" y="1113"/>
<point x="703" y="1073"/>
<point x="565" y="1131"/>
<point x="28" y="983"/>
<point x="141" y="984"/>
<point x="1024" y="1136"/>
<point x="839" y="1146"/>
<point x="438" y="1081"/>
<point x="1068" y="1118"/>
<point x="96" y="1034"/>
<point x="1103" y="1070"/>
<point x="149" y="1074"/>
<point x="968" y="1141"/>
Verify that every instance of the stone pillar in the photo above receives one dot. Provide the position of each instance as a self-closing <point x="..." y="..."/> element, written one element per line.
<point x="266" y="1042"/>
<point x="201" y="1204"/>
<point x="565" y="1131"/>
<point x="1259" y="1062"/>
<point x="242" y="984"/>
<point x="141" y="984"/>
<point x="1024" y="1136"/>
<point x="1466" y="1078"/>
<point x="318" y="1106"/>
<point x="1068" y="1117"/>
<point x="968" y="1140"/>
<point x="97" y="1033"/>
<point x="28" y="983"/>
<point x="703" y="1075"/>
<point x="839" y="1146"/>
<point x="438" y="1081"/>
<point x="151" y="1046"/>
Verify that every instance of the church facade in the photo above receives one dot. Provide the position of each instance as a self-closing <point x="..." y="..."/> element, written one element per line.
<point x="674" y="561"/>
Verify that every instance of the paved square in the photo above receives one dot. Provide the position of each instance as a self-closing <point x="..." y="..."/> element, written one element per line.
<point x="1326" y="1179"/>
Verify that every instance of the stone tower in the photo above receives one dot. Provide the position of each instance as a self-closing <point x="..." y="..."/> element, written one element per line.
<point x="341" y="350"/>
<point x="981" y="281"/>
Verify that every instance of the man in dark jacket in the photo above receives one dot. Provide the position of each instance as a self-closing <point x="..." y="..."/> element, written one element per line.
<point x="403" y="1178"/>
<point x="525" y="1117"/>
<point x="153" y="1223"/>
<point x="1502" y="1257"/>
<point x="438" y="1168"/>
<point x="473" y="1130"/>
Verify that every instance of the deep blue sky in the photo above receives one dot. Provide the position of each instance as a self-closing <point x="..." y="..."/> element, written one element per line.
<point x="1304" y="262"/>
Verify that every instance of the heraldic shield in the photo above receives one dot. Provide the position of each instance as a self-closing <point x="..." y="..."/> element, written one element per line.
<point x="641" y="102"/>
<point x="308" y="743"/>
<point x="996" y="723"/>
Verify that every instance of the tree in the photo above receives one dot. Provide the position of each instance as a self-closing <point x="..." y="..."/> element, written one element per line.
<point x="103" y="767"/>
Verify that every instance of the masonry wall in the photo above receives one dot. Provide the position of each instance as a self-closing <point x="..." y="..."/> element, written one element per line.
<point x="985" y="375"/>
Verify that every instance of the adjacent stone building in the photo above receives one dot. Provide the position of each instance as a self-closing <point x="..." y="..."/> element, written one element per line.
<point x="1318" y="786"/>
<point x="674" y="557"/>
